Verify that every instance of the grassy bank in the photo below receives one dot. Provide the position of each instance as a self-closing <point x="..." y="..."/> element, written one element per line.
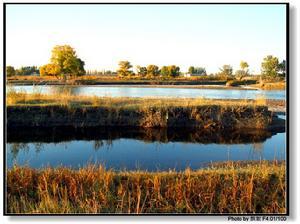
<point x="113" y="80"/>
<point x="66" y="98"/>
<point x="227" y="188"/>
<point x="279" y="85"/>
<point x="31" y="110"/>
<point x="197" y="82"/>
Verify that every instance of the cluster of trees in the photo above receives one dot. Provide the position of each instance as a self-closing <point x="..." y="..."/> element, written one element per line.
<point x="63" y="63"/>
<point x="27" y="70"/>
<point x="226" y="71"/>
<point x="125" y="70"/>
<point x="270" y="68"/>
<point x="196" y="70"/>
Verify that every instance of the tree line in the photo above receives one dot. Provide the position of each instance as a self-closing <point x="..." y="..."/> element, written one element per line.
<point x="27" y="70"/>
<point x="64" y="63"/>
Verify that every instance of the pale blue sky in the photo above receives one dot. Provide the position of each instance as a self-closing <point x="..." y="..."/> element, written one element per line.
<point x="102" y="35"/>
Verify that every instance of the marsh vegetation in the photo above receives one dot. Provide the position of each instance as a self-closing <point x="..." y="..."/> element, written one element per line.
<point x="222" y="188"/>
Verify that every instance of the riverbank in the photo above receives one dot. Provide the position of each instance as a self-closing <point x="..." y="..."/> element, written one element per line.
<point x="199" y="83"/>
<point x="37" y="110"/>
<point x="257" y="187"/>
<point x="95" y="80"/>
<point x="270" y="85"/>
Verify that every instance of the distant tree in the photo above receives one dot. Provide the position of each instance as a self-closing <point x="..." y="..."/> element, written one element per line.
<point x="282" y="68"/>
<point x="170" y="71"/>
<point x="124" y="69"/>
<point x="270" y="66"/>
<point x="64" y="56"/>
<point x="191" y="70"/>
<point x="164" y="71"/>
<point x="174" y="70"/>
<point x="141" y="71"/>
<point x="152" y="70"/>
<point x="27" y="70"/>
<point x="244" y="65"/>
<point x="76" y="67"/>
<point x="50" y="69"/>
<point x="200" y="71"/>
<point x="226" y="71"/>
<point x="244" y="71"/>
<point x="43" y="70"/>
<point x="10" y="71"/>
<point x="196" y="70"/>
<point x="108" y="72"/>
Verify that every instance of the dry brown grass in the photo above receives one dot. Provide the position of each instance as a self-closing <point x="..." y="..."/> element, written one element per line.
<point x="228" y="188"/>
<point x="111" y="78"/>
<point x="261" y="100"/>
<point x="14" y="98"/>
<point x="31" y="78"/>
<point x="279" y="85"/>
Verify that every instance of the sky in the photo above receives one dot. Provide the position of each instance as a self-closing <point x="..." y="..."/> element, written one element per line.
<point x="102" y="35"/>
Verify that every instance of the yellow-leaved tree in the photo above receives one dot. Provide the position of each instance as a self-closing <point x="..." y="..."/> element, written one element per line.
<point x="64" y="62"/>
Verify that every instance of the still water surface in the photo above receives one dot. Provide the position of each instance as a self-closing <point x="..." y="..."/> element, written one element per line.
<point x="157" y="151"/>
<point x="131" y="91"/>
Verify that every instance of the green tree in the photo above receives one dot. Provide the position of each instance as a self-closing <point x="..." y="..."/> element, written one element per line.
<point x="270" y="66"/>
<point x="124" y="69"/>
<point x="282" y="68"/>
<point x="196" y="70"/>
<point x="226" y="71"/>
<point x="191" y="70"/>
<point x="170" y="71"/>
<point x="244" y="65"/>
<point x="108" y="72"/>
<point x="152" y="70"/>
<point x="164" y="71"/>
<point x="27" y="70"/>
<point x="200" y="71"/>
<point x="244" y="71"/>
<point x="64" y="56"/>
<point x="141" y="71"/>
<point x="174" y="70"/>
<point x="10" y="71"/>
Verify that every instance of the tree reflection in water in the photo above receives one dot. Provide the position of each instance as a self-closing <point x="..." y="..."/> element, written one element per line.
<point x="104" y="137"/>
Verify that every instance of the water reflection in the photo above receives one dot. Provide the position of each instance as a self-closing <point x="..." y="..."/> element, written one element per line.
<point x="163" y="135"/>
<point x="149" y="149"/>
<point x="63" y="89"/>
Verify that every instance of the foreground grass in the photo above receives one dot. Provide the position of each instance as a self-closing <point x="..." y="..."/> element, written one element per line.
<point x="227" y="188"/>
<point x="66" y="98"/>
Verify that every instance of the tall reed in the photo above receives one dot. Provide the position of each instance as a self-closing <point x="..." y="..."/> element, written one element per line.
<point x="227" y="188"/>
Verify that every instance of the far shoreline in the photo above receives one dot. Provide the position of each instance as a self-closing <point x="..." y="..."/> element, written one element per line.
<point x="179" y="86"/>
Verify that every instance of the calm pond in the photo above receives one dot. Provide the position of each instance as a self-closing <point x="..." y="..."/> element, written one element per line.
<point x="131" y="91"/>
<point x="145" y="149"/>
